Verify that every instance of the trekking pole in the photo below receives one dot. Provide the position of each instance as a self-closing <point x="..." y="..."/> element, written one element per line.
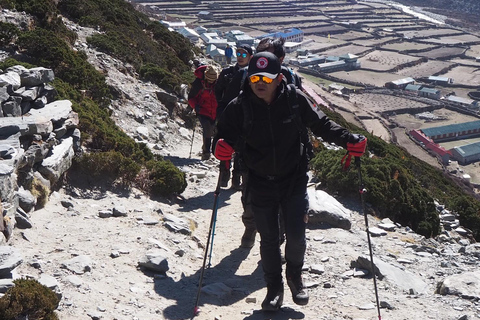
<point x="193" y="136"/>
<point x="220" y="175"/>
<point x="362" y="190"/>
<point x="211" y="231"/>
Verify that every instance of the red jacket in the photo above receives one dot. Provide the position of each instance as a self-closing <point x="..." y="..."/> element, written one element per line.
<point x="202" y="94"/>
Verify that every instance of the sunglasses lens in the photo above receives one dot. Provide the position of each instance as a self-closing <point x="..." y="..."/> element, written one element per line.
<point x="267" y="80"/>
<point x="243" y="55"/>
<point x="254" y="79"/>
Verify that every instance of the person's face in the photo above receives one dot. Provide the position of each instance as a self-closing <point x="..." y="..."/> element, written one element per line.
<point x="262" y="89"/>
<point x="243" y="57"/>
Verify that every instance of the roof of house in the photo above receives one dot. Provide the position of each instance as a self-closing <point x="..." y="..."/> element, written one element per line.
<point x="436" y="78"/>
<point x="460" y="100"/>
<point x="468" y="150"/>
<point x="403" y="81"/>
<point x="413" y="87"/>
<point x="282" y="34"/>
<point x="451" y="128"/>
<point x="430" y="90"/>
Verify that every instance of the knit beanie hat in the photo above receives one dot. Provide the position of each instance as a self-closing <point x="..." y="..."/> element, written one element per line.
<point x="211" y="74"/>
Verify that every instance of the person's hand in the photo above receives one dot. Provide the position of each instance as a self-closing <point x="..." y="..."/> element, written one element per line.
<point x="356" y="145"/>
<point x="223" y="151"/>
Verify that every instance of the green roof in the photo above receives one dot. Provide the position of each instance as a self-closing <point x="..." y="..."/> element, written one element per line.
<point x="451" y="128"/>
<point x="468" y="149"/>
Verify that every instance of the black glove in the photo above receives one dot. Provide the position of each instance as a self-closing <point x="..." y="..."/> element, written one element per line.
<point x="355" y="138"/>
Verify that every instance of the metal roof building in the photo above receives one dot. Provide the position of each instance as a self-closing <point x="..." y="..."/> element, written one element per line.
<point x="467" y="153"/>
<point x="453" y="131"/>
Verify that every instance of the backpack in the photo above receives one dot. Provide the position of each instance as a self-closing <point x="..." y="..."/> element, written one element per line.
<point x="306" y="148"/>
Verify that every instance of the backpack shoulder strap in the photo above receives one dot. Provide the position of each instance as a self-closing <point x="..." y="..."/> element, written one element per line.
<point x="244" y="76"/>
<point x="295" y="108"/>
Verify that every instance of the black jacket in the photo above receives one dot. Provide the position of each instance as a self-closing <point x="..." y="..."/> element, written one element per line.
<point x="226" y="88"/>
<point x="271" y="147"/>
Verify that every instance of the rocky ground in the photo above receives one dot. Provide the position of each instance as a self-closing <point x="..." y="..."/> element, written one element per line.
<point x="92" y="245"/>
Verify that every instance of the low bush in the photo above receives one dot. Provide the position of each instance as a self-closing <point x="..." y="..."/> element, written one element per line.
<point x="28" y="299"/>
<point x="165" y="178"/>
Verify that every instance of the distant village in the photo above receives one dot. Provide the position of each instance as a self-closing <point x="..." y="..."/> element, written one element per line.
<point x="213" y="43"/>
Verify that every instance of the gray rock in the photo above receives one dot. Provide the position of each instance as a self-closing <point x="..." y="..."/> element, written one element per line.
<point x="325" y="208"/>
<point x="36" y="76"/>
<point x="12" y="107"/>
<point x="26" y="200"/>
<point x="6" y="284"/>
<point x="176" y="224"/>
<point x="377" y="232"/>
<point x="22" y="219"/>
<point x="10" y="78"/>
<point x="154" y="261"/>
<point x="465" y="285"/>
<point x="399" y="277"/>
<point x="79" y="264"/>
<point x="119" y="211"/>
<point x="10" y="258"/>
<point x="60" y="160"/>
<point x="105" y="214"/>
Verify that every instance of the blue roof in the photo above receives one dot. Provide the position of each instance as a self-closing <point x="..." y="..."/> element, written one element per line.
<point x="451" y="128"/>
<point x="287" y="33"/>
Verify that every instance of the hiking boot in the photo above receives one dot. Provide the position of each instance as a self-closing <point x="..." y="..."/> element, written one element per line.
<point x="236" y="182"/>
<point x="274" y="299"/>
<point x="299" y="293"/>
<point x="205" y="155"/>
<point x="248" y="238"/>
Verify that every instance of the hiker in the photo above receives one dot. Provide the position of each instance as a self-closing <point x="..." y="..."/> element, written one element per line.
<point x="228" y="54"/>
<point x="268" y="123"/>
<point x="275" y="46"/>
<point x="202" y="99"/>
<point x="244" y="53"/>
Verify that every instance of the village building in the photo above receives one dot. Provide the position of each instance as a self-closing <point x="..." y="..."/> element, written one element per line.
<point x="190" y="34"/>
<point x="174" y="25"/>
<point x="429" y="93"/>
<point x="413" y="88"/>
<point x="429" y="144"/>
<point x="467" y="103"/>
<point x="239" y="37"/>
<point x="467" y="153"/>
<point x="290" y="35"/>
<point x="453" y="131"/>
<point x="440" y="80"/>
<point x="400" y="84"/>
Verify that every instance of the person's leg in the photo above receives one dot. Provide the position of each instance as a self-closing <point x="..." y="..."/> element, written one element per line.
<point x="294" y="209"/>
<point x="207" y="128"/>
<point x="265" y="204"/>
<point x="248" y="238"/>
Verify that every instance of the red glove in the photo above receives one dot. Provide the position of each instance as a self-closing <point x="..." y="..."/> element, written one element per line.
<point x="223" y="151"/>
<point x="357" y="146"/>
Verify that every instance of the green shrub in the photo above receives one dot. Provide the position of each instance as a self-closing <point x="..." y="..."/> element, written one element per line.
<point x="8" y="32"/>
<point x="163" y="78"/>
<point x="110" y="165"/>
<point x="165" y="178"/>
<point x="28" y="298"/>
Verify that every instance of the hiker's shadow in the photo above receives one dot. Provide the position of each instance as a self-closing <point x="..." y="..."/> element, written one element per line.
<point x="285" y="313"/>
<point x="206" y="201"/>
<point x="185" y="290"/>
<point x="181" y="162"/>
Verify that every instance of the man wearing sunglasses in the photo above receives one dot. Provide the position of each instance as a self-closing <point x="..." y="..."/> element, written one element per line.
<point x="243" y="53"/>
<point x="270" y="132"/>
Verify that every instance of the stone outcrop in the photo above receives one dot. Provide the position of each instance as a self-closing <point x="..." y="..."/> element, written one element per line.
<point x="38" y="139"/>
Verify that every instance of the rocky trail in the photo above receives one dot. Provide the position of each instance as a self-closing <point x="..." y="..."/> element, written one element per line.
<point x="125" y="256"/>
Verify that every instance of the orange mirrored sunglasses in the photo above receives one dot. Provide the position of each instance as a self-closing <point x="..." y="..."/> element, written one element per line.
<point x="255" y="79"/>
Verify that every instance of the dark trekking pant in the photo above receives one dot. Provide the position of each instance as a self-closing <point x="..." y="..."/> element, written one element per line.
<point x="247" y="216"/>
<point x="268" y="196"/>
<point x="208" y="125"/>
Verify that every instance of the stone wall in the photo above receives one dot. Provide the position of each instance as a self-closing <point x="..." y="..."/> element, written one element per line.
<point x="38" y="139"/>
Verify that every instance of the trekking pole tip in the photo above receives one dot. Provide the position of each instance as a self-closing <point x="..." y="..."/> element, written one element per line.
<point x="196" y="311"/>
